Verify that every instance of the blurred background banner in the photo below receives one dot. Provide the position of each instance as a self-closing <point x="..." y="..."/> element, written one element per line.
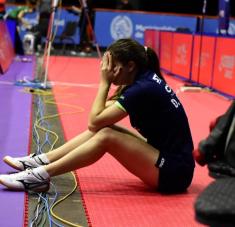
<point x="122" y="24"/>
<point x="113" y="24"/>
<point x="224" y="16"/>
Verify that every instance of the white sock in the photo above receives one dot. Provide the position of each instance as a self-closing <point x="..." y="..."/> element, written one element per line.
<point x="42" y="172"/>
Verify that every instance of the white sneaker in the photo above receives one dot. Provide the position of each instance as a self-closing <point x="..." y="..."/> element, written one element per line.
<point x="23" y="163"/>
<point x="26" y="180"/>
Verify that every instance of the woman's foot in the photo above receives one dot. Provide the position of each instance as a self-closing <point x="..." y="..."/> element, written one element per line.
<point x="23" y="163"/>
<point x="36" y="180"/>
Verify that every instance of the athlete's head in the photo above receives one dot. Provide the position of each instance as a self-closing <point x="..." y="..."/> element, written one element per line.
<point x="129" y="52"/>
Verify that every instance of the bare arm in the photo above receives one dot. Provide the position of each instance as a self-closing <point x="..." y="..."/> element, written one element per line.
<point x="102" y="113"/>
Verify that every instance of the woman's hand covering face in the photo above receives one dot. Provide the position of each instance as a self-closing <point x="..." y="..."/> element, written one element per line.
<point x="108" y="68"/>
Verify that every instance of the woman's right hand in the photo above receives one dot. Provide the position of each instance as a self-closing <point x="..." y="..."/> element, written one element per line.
<point x="108" y="70"/>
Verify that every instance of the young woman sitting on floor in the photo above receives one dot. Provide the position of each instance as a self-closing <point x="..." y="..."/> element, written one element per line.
<point x="160" y="154"/>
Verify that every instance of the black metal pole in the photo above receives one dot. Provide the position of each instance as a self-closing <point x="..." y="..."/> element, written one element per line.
<point x="201" y="37"/>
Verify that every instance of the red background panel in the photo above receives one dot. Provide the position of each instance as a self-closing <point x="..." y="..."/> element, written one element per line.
<point x="207" y="46"/>
<point x="181" y="54"/>
<point x="224" y="69"/>
<point x="149" y="37"/>
<point x="6" y="49"/>
<point x="166" y="50"/>
<point x="152" y="39"/>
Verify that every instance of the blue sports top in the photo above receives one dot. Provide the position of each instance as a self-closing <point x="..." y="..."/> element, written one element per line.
<point x="155" y="111"/>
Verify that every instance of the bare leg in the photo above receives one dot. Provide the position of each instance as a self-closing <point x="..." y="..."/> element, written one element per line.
<point x="133" y="153"/>
<point x="77" y="141"/>
<point x="69" y="146"/>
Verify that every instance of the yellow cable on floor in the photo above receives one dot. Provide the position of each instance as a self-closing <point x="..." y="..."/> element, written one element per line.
<point x="37" y="124"/>
<point x="49" y="101"/>
<point x="62" y="199"/>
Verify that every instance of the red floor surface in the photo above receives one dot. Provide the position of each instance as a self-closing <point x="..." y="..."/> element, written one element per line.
<point x="114" y="197"/>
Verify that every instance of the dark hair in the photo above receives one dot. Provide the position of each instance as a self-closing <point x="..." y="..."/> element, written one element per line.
<point x="153" y="62"/>
<point x="125" y="50"/>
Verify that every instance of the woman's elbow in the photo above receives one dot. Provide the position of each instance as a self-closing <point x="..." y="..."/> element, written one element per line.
<point x="96" y="126"/>
<point x="92" y="128"/>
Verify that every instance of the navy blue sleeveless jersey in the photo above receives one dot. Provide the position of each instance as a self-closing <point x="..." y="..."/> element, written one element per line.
<point x="156" y="112"/>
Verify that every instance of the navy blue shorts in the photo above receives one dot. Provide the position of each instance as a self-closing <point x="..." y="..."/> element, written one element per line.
<point x="175" y="172"/>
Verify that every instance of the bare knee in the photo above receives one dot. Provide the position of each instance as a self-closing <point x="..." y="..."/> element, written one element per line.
<point x="104" y="137"/>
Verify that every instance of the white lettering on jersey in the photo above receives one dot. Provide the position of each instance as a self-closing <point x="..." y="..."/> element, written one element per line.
<point x="157" y="79"/>
<point x="168" y="90"/>
<point x="173" y="101"/>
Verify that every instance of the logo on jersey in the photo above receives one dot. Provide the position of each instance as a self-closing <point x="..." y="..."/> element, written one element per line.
<point x="121" y="27"/>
